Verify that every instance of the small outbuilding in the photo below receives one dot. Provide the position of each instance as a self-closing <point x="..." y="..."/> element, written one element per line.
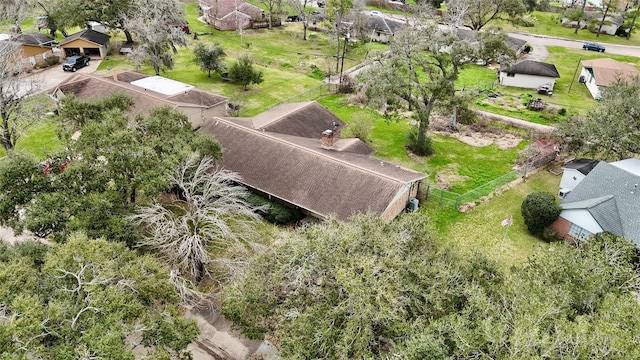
<point x="87" y="42"/>
<point x="529" y="74"/>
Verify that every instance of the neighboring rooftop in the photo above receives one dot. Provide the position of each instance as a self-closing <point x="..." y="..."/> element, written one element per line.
<point x="606" y="71"/>
<point x="530" y="67"/>
<point x="86" y="87"/>
<point x="162" y="85"/>
<point x="93" y="36"/>
<point x="612" y="197"/>
<point x="34" y="39"/>
<point x="582" y="165"/>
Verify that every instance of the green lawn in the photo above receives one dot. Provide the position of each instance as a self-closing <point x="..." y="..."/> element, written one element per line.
<point x="548" y="24"/>
<point x="480" y="229"/>
<point x="567" y="94"/>
<point x="470" y="166"/>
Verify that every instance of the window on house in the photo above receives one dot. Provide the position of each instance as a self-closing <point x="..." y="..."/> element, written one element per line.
<point x="579" y="233"/>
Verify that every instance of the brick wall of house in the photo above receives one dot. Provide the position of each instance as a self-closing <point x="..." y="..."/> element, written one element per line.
<point x="561" y="227"/>
<point x="400" y="204"/>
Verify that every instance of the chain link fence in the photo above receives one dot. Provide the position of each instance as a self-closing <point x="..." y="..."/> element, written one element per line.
<point x="455" y="200"/>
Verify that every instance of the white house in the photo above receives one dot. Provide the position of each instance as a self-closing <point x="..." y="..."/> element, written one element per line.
<point x="573" y="172"/>
<point x="607" y="199"/>
<point x="599" y="73"/>
<point x="529" y="74"/>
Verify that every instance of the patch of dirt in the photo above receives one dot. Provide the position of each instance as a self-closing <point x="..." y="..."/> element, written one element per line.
<point x="477" y="134"/>
<point x="445" y="178"/>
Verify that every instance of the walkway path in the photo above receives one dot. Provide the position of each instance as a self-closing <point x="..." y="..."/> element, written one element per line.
<point x="544" y="129"/>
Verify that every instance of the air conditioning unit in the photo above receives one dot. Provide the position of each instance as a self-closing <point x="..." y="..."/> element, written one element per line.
<point x="563" y="192"/>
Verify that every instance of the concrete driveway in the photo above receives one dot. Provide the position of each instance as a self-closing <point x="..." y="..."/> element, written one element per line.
<point x="48" y="78"/>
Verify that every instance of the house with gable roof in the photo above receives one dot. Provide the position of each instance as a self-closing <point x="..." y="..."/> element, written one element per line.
<point x="529" y="74"/>
<point x="573" y="172"/>
<point x="293" y="154"/>
<point x="607" y="199"/>
<point x="35" y="47"/>
<point x="383" y="28"/>
<point x="230" y="14"/>
<point x="147" y="92"/>
<point x="599" y="73"/>
<point x="86" y="42"/>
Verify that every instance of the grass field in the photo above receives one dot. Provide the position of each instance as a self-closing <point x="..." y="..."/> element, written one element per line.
<point x="480" y="229"/>
<point x="567" y="94"/>
<point x="470" y="166"/>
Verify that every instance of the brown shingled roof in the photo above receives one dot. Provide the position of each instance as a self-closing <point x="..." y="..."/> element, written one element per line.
<point x="321" y="181"/>
<point x="606" y="71"/>
<point x="307" y="119"/>
<point x="86" y="87"/>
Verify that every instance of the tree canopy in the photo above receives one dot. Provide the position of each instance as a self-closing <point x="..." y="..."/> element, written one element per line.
<point x="422" y="69"/>
<point x="95" y="182"/>
<point x="478" y="13"/>
<point x="366" y="290"/>
<point x="87" y="299"/>
<point x="15" y="115"/>
<point x="611" y="131"/>
<point x="242" y="72"/>
<point x="210" y="57"/>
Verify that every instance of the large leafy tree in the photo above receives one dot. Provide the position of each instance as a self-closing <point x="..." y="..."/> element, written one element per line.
<point x="210" y="57"/>
<point x="611" y="131"/>
<point x="369" y="290"/>
<point x="358" y="287"/>
<point x="202" y="228"/>
<point x="422" y="69"/>
<point x="478" y="13"/>
<point x="87" y="299"/>
<point x="159" y="28"/>
<point x="15" y="115"/>
<point x="112" y="163"/>
<point x="242" y="72"/>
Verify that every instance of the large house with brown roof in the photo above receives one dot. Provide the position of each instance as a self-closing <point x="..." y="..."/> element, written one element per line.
<point x="147" y="92"/>
<point x="230" y="14"/>
<point x="293" y="154"/>
<point x="599" y="73"/>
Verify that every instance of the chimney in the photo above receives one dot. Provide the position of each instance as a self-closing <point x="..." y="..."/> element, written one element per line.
<point x="328" y="138"/>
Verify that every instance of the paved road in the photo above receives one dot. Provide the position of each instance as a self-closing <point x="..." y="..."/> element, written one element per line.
<point x="542" y="40"/>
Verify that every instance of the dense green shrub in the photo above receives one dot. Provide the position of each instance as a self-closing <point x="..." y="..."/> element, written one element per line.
<point x="360" y="127"/>
<point x="276" y="212"/>
<point x="539" y="210"/>
<point x="52" y="60"/>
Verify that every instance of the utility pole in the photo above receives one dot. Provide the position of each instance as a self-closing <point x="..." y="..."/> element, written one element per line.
<point x="574" y="75"/>
<point x="344" y="52"/>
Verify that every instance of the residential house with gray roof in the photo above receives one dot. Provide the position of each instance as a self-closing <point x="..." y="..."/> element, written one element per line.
<point x="607" y="199"/>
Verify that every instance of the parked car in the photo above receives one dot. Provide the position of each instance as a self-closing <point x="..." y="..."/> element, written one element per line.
<point x="375" y="13"/>
<point x="593" y="47"/>
<point x="75" y="62"/>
